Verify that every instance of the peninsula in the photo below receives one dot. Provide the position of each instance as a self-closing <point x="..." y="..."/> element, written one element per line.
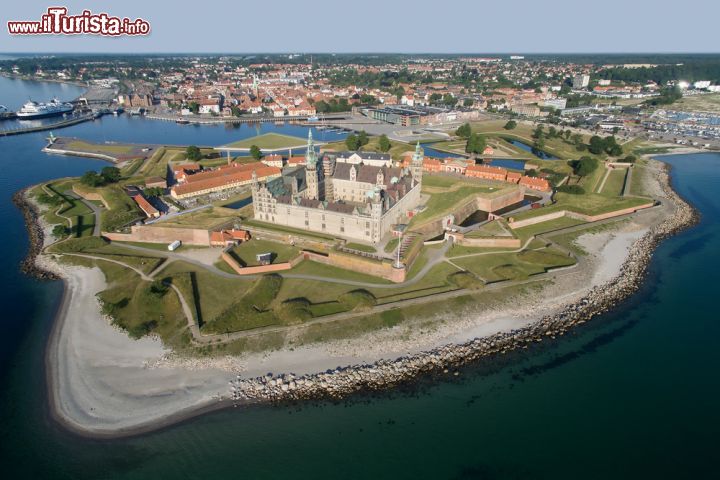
<point x="380" y="234"/>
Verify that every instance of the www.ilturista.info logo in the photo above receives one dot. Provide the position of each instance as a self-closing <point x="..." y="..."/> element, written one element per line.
<point x="57" y="22"/>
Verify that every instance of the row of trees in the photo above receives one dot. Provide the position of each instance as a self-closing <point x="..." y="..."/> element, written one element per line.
<point x="607" y="145"/>
<point x="107" y="175"/>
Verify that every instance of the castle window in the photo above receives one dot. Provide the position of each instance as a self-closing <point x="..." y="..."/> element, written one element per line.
<point x="323" y="226"/>
<point x="342" y="229"/>
<point x="307" y="223"/>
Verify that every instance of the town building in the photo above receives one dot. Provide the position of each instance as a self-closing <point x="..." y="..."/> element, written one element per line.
<point x="581" y="80"/>
<point x="527" y="110"/>
<point x="354" y="201"/>
<point x="367" y="158"/>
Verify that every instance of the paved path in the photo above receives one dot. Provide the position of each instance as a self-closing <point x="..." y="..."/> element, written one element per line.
<point x="435" y="256"/>
<point x="95" y="209"/>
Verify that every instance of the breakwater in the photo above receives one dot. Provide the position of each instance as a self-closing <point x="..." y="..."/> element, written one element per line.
<point x="343" y="381"/>
<point x="31" y="215"/>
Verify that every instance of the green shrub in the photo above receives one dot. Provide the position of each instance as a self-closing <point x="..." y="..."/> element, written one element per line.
<point x="571" y="189"/>
<point x="79" y="244"/>
<point x="357" y="300"/>
<point x="465" y="280"/>
<point x="294" y="311"/>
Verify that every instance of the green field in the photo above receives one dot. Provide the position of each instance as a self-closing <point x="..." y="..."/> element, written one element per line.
<point x="269" y="141"/>
<point x="207" y="218"/>
<point x="82" y="146"/>
<point x="396" y="148"/>
<point x="615" y="182"/>
<point x="444" y="203"/>
<point x="246" y="252"/>
<point x="513" y="266"/>
<point x="708" y="102"/>
<point x="563" y="222"/>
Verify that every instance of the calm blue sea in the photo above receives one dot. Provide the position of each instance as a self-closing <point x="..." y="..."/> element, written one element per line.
<point x="632" y="395"/>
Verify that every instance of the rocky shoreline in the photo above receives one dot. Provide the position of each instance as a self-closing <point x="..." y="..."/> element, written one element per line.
<point x="30" y="213"/>
<point x="341" y="382"/>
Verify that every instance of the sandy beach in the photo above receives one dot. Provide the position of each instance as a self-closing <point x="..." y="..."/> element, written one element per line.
<point x="104" y="383"/>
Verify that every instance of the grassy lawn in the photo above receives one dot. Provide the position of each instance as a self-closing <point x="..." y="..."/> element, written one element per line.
<point x="615" y="182"/>
<point x="82" y="146"/>
<point x="709" y="102"/>
<point x="513" y="266"/>
<point x="206" y="218"/>
<point x="135" y="307"/>
<point x="80" y="215"/>
<point x="122" y="209"/>
<point x="247" y="251"/>
<point x="523" y="132"/>
<point x="443" y="203"/>
<point x="287" y="230"/>
<point x="361" y="247"/>
<point x="391" y="246"/>
<point x="588" y="204"/>
<point x="157" y="165"/>
<point x="308" y="267"/>
<point x="214" y="294"/>
<point x="563" y="222"/>
<point x="270" y="141"/>
<point x="495" y="228"/>
<point x="396" y="148"/>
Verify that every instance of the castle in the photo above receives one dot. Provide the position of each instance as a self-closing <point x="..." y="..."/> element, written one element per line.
<point x="355" y="201"/>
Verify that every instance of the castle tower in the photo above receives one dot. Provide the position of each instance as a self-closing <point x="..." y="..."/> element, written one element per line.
<point x="311" y="171"/>
<point x="416" y="165"/>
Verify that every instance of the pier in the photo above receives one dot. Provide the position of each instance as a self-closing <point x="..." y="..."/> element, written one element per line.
<point x="52" y="126"/>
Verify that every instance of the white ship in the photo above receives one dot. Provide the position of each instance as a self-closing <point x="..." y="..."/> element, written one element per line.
<point x="38" y="110"/>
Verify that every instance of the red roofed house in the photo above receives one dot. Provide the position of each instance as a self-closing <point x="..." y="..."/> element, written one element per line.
<point x="535" y="183"/>
<point x="487" y="172"/>
<point x="223" y="178"/>
<point x="273" y="160"/>
<point x="293" y="161"/>
<point x="148" y="210"/>
<point x="513" y="177"/>
<point x="432" y="165"/>
<point x="225" y="238"/>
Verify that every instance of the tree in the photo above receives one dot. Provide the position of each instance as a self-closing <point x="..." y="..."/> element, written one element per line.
<point x="463" y="131"/>
<point x="193" y="153"/>
<point x="384" y="143"/>
<point x="475" y="144"/>
<point x="194" y="107"/>
<point x="577" y="138"/>
<point x="468" y="102"/>
<point x="158" y="288"/>
<point x="596" y="145"/>
<point x="362" y="138"/>
<point x="510" y="125"/>
<point x="585" y="166"/>
<point x="352" y="142"/>
<point x="110" y="174"/>
<point x="255" y="152"/>
<point x="92" y="179"/>
<point x="59" y="231"/>
<point x="538" y="132"/>
<point x="153" y="191"/>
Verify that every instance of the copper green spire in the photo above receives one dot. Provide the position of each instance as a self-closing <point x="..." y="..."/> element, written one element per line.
<point x="310" y="155"/>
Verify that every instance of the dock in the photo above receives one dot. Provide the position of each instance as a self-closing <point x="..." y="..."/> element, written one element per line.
<point x="52" y="126"/>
